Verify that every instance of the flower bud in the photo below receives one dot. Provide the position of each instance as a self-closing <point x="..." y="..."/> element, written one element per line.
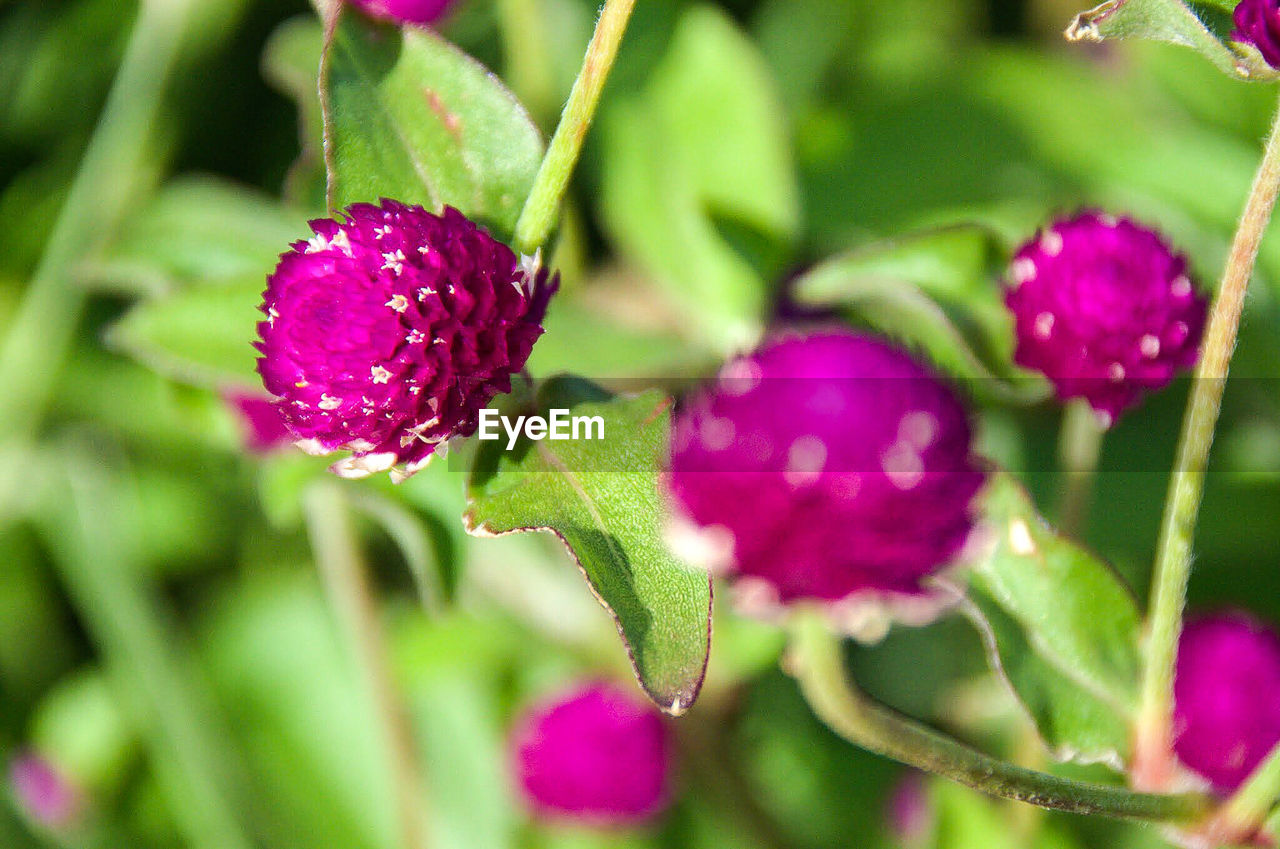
<point x="421" y="12"/>
<point x="1226" y="697"/>
<point x="1105" y="309"/>
<point x="597" y="755"/>
<point x="829" y="466"/>
<point x="387" y="332"/>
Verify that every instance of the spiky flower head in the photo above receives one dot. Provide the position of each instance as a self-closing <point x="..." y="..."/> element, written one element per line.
<point x="596" y="754"/>
<point x="421" y="12"/>
<point x="388" y="331"/>
<point x="1258" y="23"/>
<point x="1105" y="309"/>
<point x="829" y="466"/>
<point x="1226" y="697"/>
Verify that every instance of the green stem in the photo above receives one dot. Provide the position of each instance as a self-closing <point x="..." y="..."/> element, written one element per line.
<point x="342" y="567"/>
<point x="540" y="210"/>
<point x="44" y="325"/>
<point x="1153" y="761"/>
<point x="98" y="564"/>
<point x="1079" y="447"/>
<point x="818" y="664"/>
<point x="407" y="531"/>
<point x="1247" y="810"/>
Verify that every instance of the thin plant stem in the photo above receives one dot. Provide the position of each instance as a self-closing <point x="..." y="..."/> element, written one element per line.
<point x="817" y="662"/>
<point x="97" y="561"/>
<point x="42" y="329"/>
<point x="407" y="530"/>
<point x="542" y="207"/>
<point x="1247" y="810"/>
<point x="343" y="571"/>
<point x="1153" y="760"/>
<point x="1079" y="447"/>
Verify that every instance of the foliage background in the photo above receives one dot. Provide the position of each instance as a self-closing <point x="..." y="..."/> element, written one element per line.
<point x="738" y="143"/>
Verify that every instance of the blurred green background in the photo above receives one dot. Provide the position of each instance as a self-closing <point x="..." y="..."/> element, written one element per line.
<point x="166" y="640"/>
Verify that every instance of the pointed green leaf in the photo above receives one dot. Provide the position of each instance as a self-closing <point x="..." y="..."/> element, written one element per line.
<point x="409" y="116"/>
<point x="291" y="64"/>
<point x="1062" y="629"/>
<point x="939" y="292"/>
<point x="602" y="499"/>
<point x="1171" y="21"/>
<point x="202" y="335"/>
<point x="699" y="176"/>
<point x="197" y="228"/>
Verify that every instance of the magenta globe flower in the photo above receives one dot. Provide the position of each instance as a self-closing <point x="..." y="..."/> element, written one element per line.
<point x="1226" y="697"/>
<point x="419" y="12"/>
<point x="910" y="814"/>
<point x="831" y="467"/>
<point x="597" y="755"/>
<point x="46" y="795"/>
<point x="1258" y="23"/>
<point x="389" y="331"/>
<point x="1105" y="309"/>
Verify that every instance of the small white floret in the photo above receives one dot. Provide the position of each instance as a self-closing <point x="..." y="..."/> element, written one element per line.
<point x="1051" y="242"/>
<point x="1020" y="538"/>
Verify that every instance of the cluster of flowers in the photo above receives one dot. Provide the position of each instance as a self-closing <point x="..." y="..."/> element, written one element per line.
<point x="826" y="466"/>
<point x="389" y="330"/>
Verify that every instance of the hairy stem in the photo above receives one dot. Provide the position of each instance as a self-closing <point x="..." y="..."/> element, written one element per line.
<point x="541" y="209"/>
<point x="1153" y="760"/>
<point x="342" y="568"/>
<point x="1079" y="447"/>
<point x="43" y="327"/>
<point x="818" y="664"/>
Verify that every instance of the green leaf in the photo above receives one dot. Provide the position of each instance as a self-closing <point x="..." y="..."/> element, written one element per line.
<point x="700" y="157"/>
<point x="201" y="336"/>
<point x="198" y="228"/>
<point x="291" y="64"/>
<point x="409" y="116"/>
<point x="601" y="498"/>
<point x="299" y="714"/>
<point x="937" y="291"/>
<point x="1171" y="21"/>
<point x="579" y="330"/>
<point x="1061" y="627"/>
<point x="81" y="726"/>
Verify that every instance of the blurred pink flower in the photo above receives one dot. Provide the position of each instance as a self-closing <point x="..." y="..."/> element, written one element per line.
<point x="597" y="754"/>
